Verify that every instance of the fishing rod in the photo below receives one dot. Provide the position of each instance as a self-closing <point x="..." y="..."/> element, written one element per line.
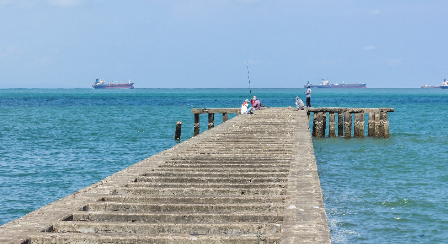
<point x="248" y="78"/>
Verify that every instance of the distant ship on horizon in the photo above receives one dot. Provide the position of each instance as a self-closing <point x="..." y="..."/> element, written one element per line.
<point x="101" y="84"/>
<point x="326" y="84"/>
<point x="443" y="85"/>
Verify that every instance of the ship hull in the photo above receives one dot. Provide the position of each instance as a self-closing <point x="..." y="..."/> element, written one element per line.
<point x="114" y="86"/>
<point x="339" y="86"/>
<point x="318" y="86"/>
<point x="444" y="87"/>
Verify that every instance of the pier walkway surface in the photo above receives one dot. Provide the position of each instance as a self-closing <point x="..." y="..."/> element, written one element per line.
<point x="252" y="179"/>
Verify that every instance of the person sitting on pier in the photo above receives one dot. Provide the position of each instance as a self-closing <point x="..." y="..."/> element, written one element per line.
<point x="256" y="104"/>
<point x="244" y="109"/>
<point x="299" y="104"/>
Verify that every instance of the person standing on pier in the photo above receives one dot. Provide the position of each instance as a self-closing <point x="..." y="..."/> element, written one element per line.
<point x="308" y="96"/>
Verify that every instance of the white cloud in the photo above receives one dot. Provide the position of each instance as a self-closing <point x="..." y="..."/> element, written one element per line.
<point x="44" y="60"/>
<point x="374" y="12"/>
<point x="12" y="51"/>
<point x="5" y="2"/>
<point x="369" y="47"/>
<point x="65" y="3"/>
<point x="395" y="61"/>
<point x="253" y="61"/>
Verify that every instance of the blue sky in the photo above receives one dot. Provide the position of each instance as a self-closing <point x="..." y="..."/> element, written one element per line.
<point x="208" y="43"/>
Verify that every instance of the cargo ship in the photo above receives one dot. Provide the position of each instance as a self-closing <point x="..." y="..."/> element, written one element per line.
<point x="326" y="84"/>
<point x="101" y="84"/>
<point x="444" y="84"/>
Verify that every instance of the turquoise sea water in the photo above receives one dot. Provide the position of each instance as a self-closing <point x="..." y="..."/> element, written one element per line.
<point x="57" y="141"/>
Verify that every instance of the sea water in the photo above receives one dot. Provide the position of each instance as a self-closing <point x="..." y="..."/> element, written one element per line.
<point x="57" y="141"/>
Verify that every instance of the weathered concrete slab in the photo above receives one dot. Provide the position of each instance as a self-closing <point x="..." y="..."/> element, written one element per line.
<point x="177" y="218"/>
<point x="161" y="239"/>
<point x="252" y="179"/>
<point x="195" y="199"/>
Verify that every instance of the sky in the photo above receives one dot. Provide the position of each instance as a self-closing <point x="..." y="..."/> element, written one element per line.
<point x="214" y="43"/>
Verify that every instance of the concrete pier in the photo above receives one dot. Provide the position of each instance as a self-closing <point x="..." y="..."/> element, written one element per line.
<point x="252" y="179"/>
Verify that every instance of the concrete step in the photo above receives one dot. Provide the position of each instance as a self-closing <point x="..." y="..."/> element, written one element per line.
<point x="265" y="138"/>
<point x="242" y="151"/>
<point x="204" y="191"/>
<point x="267" y="130"/>
<point x="166" y="228"/>
<point x="221" y="165"/>
<point x="228" y="166"/>
<point x="255" y="158"/>
<point x="244" y="144"/>
<point x="193" y="238"/>
<point x="259" y="155"/>
<point x="239" y="170"/>
<point x="225" y="165"/>
<point x="225" y="148"/>
<point x="249" y="145"/>
<point x="188" y="208"/>
<point x="265" y="169"/>
<point x="232" y="158"/>
<point x="244" y="139"/>
<point x="195" y="199"/>
<point x="216" y="158"/>
<point x="239" y="180"/>
<point x="214" y="174"/>
<point x="205" y="184"/>
<point x="177" y="218"/>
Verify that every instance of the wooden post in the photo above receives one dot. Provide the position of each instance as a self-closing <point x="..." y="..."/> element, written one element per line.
<point x="377" y="124"/>
<point x="359" y="124"/>
<point x="347" y="124"/>
<point x="178" y="130"/>
<point x="340" y="124"/>
<point x="386" y="125"/>
<point x="314" y="124"/>
<point x="196" y="124"/>
<point x="211" y="120"/>
<point x="371" y="125"/>
<point x="332" y="125"/>
<point x="309" y="117"/>
<point x="319" y="124"/>
<point x="225" y="117"/>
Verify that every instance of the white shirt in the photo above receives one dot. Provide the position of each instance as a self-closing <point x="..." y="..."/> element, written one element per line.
<point x="243" y="108"/>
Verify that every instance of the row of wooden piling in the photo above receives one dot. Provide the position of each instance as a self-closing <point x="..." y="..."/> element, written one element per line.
<point x="378" y="122"/>
<point x="211" y="116"/>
